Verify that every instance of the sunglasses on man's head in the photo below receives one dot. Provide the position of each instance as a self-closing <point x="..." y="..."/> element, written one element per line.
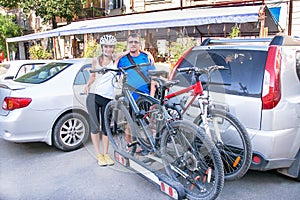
<point x="133" y="42"/>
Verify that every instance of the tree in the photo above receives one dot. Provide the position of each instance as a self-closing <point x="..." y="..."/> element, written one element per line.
<point x="50" y="9"/>
<point x="8" y="29"/>
<point x="9" y="3"/>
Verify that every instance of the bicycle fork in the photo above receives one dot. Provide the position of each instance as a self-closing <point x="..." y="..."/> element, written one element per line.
<point x="204" y="112"/>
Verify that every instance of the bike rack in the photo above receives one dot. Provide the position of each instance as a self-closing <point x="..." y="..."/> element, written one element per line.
<point x="166" y="185"/>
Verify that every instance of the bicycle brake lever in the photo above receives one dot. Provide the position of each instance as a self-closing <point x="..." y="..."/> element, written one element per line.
<point x="99" y="71"/>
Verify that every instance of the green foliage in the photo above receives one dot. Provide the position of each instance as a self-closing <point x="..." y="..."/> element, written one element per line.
<point x="91" y="49"/>
<point x="37" y="52"/>
<point x="235" y="31"/>
<point x="120" y="46"/>
<point x="49" y="9"/>
<point x="9" y="3"/>
<point x="180" y="46"/>
<point x="8" y="29"/>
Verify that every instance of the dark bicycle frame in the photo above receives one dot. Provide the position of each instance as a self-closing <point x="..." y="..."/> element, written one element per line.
<point x="127" y="93"/>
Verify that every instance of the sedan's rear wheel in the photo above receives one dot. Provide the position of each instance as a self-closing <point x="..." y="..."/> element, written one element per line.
<point x="70" y="132"/>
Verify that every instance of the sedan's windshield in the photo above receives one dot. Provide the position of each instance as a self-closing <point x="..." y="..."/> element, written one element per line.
<point x="44" y="73"/>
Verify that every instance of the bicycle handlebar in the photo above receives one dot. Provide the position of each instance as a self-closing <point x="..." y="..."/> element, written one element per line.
<point x="201" y="70"/>
<point x="122" y="70"/>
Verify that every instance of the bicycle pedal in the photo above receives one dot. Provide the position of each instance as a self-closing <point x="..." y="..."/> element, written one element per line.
<point x="132" y="144"/>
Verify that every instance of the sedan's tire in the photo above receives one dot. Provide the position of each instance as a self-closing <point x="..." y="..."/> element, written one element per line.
<point x="70" y="132"/>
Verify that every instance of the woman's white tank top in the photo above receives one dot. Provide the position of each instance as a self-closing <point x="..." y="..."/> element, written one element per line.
<point x="103" y="84"/>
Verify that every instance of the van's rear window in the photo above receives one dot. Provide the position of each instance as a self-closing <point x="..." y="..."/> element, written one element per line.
<point x="243" y="76"/>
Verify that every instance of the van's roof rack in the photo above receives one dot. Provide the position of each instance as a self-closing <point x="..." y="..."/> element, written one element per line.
<point x="277" y="40"/>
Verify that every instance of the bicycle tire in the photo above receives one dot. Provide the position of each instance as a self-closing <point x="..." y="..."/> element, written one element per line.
<point x="198" y="159"/>
<point x="144" y="105"/>
<point x="235" y="148"/>
<point x="117" y="121"/>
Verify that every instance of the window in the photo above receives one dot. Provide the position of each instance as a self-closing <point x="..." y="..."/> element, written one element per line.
<point x="298" y="64"/>
<point x="243" y="74"/>
<point x="83" y="75"/>
<point x="43" y="74"/>
<point x="115" y="4"/>
<point x="26" y="68"/>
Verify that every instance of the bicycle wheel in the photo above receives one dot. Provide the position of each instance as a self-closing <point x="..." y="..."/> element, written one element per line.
<point x="120" y="127"/>
<point x="191" y="158"/>
<point x="235" y="145"/>
<point x="145" y="122"/>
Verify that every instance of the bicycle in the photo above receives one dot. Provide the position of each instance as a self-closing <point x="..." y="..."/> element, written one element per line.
<point x="225" y="130"/>
<point x="189" y="157"/>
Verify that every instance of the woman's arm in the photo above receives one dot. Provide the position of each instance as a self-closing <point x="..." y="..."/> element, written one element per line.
<point x="150" y="56"/>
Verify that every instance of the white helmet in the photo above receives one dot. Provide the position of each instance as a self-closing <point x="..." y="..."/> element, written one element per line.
<point x="108" y="40"/>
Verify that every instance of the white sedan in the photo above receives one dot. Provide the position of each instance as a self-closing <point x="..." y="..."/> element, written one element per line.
<point x="47" y="105"/>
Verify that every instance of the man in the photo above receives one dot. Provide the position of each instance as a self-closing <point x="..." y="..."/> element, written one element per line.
<point x="137" y="77"/>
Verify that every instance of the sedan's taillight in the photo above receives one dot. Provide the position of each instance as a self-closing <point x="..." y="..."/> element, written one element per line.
<point x="271" y="87"/>
<point x="11" y="103"/>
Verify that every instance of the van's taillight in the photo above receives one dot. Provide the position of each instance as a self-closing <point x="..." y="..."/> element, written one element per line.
<point x="271" y="87"/>
<point x="11" y="103"/>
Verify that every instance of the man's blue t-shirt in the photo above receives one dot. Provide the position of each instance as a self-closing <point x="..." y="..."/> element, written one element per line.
<point x="133" y="77"/>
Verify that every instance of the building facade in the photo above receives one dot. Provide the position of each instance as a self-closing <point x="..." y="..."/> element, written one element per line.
<point x="286" y="12"/>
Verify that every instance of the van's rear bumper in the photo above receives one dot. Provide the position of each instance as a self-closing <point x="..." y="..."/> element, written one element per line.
<point x="265" y="164"/>
<point x="274" y="149"/>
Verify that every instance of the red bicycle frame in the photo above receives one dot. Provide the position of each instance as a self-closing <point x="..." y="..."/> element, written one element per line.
<point x="196" y="88"/>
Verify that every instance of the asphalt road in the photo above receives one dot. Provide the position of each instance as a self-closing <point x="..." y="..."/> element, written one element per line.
<point x="37" y="171"/>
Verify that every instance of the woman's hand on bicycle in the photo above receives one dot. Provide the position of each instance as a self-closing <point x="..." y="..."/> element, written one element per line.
<point x="86" y="89"/>
<point x="103" y="70"/>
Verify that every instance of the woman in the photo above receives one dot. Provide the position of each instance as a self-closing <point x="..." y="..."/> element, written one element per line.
<point x="100" y="92"/>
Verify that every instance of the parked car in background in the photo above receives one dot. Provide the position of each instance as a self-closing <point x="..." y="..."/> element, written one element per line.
<point x="16" y="68"/>
<point x="47" y="105"/>
<point x="261" y="87"/>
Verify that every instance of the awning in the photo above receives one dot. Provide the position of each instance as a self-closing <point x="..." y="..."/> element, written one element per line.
<point x="195" y="21"/>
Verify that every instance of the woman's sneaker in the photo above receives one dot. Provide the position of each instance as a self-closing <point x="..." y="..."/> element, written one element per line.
<point x="101" y="160"/>
<point x="108" y="160"/>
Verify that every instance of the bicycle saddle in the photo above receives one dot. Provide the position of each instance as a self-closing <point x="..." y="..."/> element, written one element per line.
<point x="165" y="83"/>
<point x="158" y="73"/>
